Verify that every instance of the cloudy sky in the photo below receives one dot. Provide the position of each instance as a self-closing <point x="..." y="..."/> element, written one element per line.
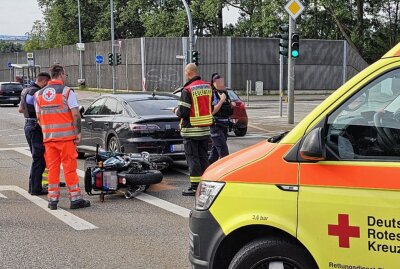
<point x="17" y="16"/>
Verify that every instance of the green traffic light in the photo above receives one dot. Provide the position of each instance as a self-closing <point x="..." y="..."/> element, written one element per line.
<point x="295" y="53"/>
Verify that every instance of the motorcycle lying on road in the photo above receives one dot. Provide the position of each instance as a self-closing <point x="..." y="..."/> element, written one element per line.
<point x="111" y="172"/>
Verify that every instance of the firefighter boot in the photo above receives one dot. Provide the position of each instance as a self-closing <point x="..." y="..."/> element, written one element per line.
<point x="191" y="191"/>
<point x="79" y="204"/>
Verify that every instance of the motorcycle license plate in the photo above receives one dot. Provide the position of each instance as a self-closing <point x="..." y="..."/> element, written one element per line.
<point x="176" y="148"/>
<point x="110" y="180"/>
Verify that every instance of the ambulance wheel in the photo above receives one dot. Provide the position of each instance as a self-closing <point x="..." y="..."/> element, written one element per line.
<point x="265" y="253"/>
<point x="146" y="177"/>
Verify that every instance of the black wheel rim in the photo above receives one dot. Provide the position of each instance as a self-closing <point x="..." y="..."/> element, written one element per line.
<point x="277" y="263"/>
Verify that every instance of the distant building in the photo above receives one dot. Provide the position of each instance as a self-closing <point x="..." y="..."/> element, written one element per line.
<point x="14" y="39"/>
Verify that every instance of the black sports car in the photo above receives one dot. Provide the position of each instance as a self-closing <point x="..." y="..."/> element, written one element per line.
<point x="133" y="122"/>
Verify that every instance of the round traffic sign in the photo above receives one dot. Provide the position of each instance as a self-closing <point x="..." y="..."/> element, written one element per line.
<point x="99" y="59"/>
<point x="9" y="64"/>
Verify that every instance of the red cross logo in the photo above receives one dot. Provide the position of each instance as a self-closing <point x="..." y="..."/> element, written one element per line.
<point x="49" y="94"/>
<point x="344" y="231"/>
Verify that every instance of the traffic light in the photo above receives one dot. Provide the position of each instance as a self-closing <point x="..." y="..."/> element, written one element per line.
<point x="295" y="45"/>
<point x="119" y="59"/>
<point x="196" y="57"/>
<point x="284" y="42"/>
<point x="110" y="59"/>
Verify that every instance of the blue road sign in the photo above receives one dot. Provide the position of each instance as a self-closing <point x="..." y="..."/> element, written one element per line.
<point x="9" y="64"/>
<point x="99" y="59"/>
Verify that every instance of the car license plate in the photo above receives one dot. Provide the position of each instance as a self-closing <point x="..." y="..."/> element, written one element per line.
<point x="14" y="98"/>
<point x="175" y="148"/>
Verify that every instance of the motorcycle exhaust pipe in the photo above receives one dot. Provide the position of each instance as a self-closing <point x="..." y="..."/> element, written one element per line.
<point x="128" y="195"/>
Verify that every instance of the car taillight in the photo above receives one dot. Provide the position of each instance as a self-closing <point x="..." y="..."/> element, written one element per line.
<point x="143" y="127"/>
<point x="99" y="180"/>
<point x="121" y="180"/>
<point x="1" y="92"/>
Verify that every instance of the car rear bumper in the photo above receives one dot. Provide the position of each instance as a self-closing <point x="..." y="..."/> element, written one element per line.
<point x="9" y="100"/>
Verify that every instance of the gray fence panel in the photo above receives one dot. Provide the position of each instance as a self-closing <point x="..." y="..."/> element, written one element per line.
<point x="321" y="52"/>
<point x="42" y="58"/>
<point x="321" y="77"/>
<point x="163" y="50"/>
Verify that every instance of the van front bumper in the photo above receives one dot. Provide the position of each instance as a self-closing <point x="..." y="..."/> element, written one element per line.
<point x="205" y="236"/>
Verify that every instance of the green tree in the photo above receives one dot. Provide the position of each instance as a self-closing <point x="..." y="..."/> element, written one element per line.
<point x="37" y="37"/>
<point x="7" y="47"/>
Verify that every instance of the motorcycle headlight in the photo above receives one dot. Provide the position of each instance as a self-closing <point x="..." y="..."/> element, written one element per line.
<point x="206" y="194"/>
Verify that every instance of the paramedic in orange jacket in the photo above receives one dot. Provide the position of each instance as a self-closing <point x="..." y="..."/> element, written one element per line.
<point x="58" y="114"/>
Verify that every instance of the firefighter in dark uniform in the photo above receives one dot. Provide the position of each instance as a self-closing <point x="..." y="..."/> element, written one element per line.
<point x="33" y="134"/>
<point x="222" y="110"/>
<point x="195" y="112"/>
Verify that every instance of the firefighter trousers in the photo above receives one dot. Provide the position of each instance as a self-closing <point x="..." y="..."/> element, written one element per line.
<point x="57" y="153"/>
<point x="196" y="151"/>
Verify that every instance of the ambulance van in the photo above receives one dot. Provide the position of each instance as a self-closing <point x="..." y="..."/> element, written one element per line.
<point x="325" y="195"/>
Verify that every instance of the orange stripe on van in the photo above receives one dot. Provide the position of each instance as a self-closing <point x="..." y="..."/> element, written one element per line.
<point x="351" y="176"/>
<point x="270" y="168"/>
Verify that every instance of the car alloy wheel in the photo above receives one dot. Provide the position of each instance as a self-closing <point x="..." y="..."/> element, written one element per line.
<point x="113" y="144"/>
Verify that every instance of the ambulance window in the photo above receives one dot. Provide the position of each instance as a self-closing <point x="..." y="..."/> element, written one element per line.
<point x="367" y="125"/>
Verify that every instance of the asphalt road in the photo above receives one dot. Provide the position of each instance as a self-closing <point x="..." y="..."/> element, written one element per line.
<point x="150" y="231"/>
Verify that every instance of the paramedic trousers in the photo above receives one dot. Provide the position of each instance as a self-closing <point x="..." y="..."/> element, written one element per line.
<point x="197" y="158"/>
<point x="34" y="137"/>
<point x="219" y="135"/>
<point x="57" y="153"/>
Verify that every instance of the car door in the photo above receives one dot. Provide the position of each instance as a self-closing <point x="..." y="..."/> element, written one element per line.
<point x="104" y="122"/>
<point x="349" y="203"/>
<point x="87" y="122"/>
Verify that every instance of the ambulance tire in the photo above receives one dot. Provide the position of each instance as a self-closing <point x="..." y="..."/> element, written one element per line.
<point x="260" y="253"/>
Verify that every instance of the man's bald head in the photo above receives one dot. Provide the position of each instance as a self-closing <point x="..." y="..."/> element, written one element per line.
<point x="191" y="71"/>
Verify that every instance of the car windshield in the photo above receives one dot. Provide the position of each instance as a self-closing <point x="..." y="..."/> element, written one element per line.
<point x="232" y="95"/>
<point x="153" y="107"/>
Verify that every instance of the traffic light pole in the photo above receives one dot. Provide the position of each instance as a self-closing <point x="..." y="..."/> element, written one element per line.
<point x="112" y="44"/>
<point x="280" y="83"/>
<point x="189" y="15"/>
<point x="291" y="64"/>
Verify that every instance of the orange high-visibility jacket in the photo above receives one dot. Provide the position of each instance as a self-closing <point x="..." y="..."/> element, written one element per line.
<point x="54" y="115"/>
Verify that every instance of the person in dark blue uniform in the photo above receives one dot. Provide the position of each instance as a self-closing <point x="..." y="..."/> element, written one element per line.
<point x="222" y="110"/>
<point x="33" y="134"/>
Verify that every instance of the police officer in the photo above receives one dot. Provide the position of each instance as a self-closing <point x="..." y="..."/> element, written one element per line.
<point x="222" y="110"/>
<point x="33" y="134"/>
<point x="57" y="109"/>
<point x="194" y="110"/>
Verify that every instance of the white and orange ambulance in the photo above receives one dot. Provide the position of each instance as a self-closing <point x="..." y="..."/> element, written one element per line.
<point x="325" y="195"/>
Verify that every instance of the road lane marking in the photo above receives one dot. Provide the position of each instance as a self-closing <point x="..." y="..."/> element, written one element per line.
<point x="63" y="215"/>
<point x="18" y="144"/>
<point x="17" y="135"/>
<point x="12" y="114"/>
<point x="173" y="208"/>
<point x="3" y="196"/>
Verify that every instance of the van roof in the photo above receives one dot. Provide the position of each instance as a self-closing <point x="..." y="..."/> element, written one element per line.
<point x="394" y="52"/>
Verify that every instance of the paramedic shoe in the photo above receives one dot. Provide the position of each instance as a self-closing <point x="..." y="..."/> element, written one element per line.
<point x="62" y="184"/>
<point x="189" y="192"/>
<point x="53" y="205"/>
<point x="79" y="204"/>
<point x="42" y="192"/>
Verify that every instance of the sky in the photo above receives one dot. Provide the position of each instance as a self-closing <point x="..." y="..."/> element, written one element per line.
<point x="17" y="16"/>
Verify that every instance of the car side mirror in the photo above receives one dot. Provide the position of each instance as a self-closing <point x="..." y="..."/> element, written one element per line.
<point x="313" y="147"/>
<point x="81" y="110"/>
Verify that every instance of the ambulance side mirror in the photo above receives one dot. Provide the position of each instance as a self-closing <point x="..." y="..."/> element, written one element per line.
<point x="313" y="147"/>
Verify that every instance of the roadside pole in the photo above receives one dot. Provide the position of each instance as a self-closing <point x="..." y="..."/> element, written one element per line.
<point x="291" y="64"/>
<point x="280" y="83"/>
<point x="112" y="44"/>
<point x="189" y="16"/>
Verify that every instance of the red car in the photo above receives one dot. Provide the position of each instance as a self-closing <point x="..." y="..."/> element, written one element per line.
<point x="239" y="118"/>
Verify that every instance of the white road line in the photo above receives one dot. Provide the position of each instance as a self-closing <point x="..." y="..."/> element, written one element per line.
<point x="12" y="114"/>
<point x="65" y="216"/>
<point x="9" y="130"/>
<point x="18" y="144"/>
<point x="3" y="196"/>
<point x="17" y="135"/>
<point x="173" y="208"/>
<point x="258" y="128"/>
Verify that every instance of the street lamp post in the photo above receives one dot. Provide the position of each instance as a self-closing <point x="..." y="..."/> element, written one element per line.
<point x="80" y="41"/>
<point x="189" y="15"/>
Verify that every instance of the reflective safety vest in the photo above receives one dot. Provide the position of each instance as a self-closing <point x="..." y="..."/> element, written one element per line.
<point x="54" y="115"/>
<point x="200" y="110"/>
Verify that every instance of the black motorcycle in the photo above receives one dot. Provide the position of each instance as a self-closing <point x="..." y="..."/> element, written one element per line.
<point x="109" y="172"/>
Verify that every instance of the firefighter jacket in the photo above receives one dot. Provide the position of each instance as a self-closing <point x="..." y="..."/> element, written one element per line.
<point x="195" y="109"/>
<point x="54" y="115"/>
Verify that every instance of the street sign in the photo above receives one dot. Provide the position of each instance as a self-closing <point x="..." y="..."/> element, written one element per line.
<point x="80" y="46"/>
<point x="9" y="65"/>
<point x="294" y="8"/>
<point x="99" y="59"/>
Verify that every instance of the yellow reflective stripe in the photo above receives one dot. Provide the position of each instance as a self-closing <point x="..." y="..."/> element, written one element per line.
<point x="195" y="179"/>
<point x="196" y="106"/>
<point x="184" y="104"/>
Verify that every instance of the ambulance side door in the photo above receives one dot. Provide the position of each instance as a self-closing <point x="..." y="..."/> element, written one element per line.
<point x="349" y="199"/>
